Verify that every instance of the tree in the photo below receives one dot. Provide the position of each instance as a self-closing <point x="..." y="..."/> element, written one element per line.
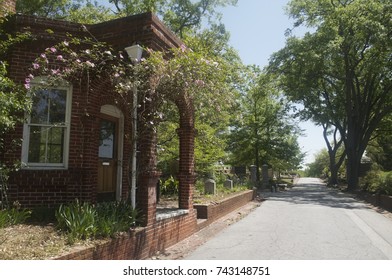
<point x="185" y="18"/>
<point x="44" y="8"/>
<point x="263" y="133"/>
<point x="186" y="15"/>
<point x="133" y="7"/>
<point x="342" y="69"/>
<point x="211" y="125"/>
<point x="379" y="149"/>
<point x="63" y="9"/>
<point x="336" y="152"/>
<point x="319" y="167"/>
<point x="13" y="104"/>
<point x="181" y="16"/>
<point x="82" y="11"/>
<point x="13" y="100"/>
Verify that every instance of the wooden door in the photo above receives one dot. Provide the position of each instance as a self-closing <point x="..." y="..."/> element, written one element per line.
<point x="107" y="153"/>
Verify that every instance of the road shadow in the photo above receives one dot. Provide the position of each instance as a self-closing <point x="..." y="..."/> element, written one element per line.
<point x="317" y="195"/>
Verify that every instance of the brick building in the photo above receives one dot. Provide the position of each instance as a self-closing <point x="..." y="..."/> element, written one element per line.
<point x="77" y="145"/>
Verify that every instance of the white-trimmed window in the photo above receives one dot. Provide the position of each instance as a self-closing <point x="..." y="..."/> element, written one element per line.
<point x="46" y="133"/>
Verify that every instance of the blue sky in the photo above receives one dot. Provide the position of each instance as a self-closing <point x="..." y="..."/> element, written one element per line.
<point x="257" y="29"/>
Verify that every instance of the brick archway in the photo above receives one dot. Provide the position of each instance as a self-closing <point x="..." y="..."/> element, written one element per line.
<point x="147" y="160"/>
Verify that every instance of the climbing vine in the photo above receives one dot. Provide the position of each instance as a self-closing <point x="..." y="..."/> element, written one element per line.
<point x="13" y="105"/>
<point x="177" y="76"/>
<point x="160" y="77"/>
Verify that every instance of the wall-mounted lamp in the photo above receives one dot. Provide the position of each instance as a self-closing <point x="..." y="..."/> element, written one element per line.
<point x="134" y="52"/>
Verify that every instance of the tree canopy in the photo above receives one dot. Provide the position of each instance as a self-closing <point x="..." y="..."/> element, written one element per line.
<point x="263" y="132"/>
<point x="186" y="18"/>
<point x="181" y="16"/>
<point x="341" y="71"/>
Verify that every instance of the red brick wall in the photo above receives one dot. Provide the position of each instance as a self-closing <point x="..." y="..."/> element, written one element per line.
<point x="145" y="29"/>
<point x="215" y="211"/>
<point x="148" y="31"/>
<point x="52" y="187"/>
<point x="186" y="132"/>
<point x="145" y="242"/>
<point x="142" y="243"/>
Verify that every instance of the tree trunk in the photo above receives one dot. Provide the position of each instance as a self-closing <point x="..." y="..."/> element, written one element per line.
<point x="257" y="161"/>
<point x="353" y="169"/>
<point x="332" y="151"/>
<point x="354" y="151"/>
<point x="333" y="180"/>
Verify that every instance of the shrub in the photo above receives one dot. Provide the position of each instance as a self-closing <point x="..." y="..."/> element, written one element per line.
<point x="378" y="182"/>
<point x="113" y="217"/>
<point x="169" y="186"/>
<point x="18" y="216"/>
<point x="199" y="186"/>
<point x="77" y="219"/>
<point x="13" y="216"/>
<point x="83" y="220"/>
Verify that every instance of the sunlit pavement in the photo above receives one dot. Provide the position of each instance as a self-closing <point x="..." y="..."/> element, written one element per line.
<point x="306" y="222"/>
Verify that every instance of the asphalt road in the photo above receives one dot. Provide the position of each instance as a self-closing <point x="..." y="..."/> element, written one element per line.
<point x="308" y="222"/>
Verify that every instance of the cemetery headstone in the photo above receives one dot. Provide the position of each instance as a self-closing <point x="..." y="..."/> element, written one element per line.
<point x="228" y="184"/>
<point x="210" y="187"/>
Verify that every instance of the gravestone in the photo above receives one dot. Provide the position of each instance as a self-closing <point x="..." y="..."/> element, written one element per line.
<point x="228" y="184"/>
<point x="253" y="174"/>
<point x="265" y="176"/>
<point x="210" y="187"/>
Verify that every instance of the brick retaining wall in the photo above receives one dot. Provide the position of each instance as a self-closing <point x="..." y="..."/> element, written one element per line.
<point x="145" y="242"/>
<point x="141" y="243"/>
<point x="213" y="212"/>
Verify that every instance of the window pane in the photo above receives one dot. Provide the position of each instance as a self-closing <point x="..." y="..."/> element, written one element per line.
<point x="106" y="139"/>
<point x="46" y="144"/>
<point x="49" y="106"/>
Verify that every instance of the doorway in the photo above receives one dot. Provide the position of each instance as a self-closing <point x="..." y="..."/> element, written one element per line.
<point x="110" y="154"/>
<point x="108" y="158"/>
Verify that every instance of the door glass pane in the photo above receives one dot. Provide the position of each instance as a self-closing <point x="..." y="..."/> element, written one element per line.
<point x="106" y="139"/>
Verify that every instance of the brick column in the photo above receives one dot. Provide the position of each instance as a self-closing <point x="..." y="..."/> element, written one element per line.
<point x="146" y="196"/>
<point x="186" y="185"/>
<point x="147" y="173"/>
<point x="186" y="173"/>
